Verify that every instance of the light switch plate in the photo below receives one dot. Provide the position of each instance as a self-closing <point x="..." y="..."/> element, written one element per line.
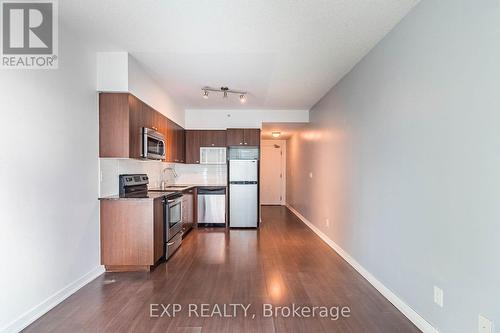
<point x="438" y="296"/>
<point x="485" y="325"/>
<point x="310" y="174"/>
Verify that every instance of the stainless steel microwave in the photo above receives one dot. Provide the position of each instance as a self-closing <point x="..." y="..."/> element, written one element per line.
<point x="153" y="144"/>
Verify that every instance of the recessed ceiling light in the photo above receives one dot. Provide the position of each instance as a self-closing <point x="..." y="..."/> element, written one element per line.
<point x="276" y="134"/>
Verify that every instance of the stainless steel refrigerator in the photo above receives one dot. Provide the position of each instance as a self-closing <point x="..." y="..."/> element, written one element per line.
<point x="243" y="193"/>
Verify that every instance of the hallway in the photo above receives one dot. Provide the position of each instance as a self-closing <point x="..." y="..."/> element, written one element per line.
<point x="282" y="263"/>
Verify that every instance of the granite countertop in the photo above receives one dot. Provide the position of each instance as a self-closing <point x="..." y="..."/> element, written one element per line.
<point x="150" y="196"/>
<point x="155" y="193"/>
<point x="184" y="187"/>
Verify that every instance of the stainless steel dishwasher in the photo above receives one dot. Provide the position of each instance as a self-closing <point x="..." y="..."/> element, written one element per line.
<point x="212" y="206"/>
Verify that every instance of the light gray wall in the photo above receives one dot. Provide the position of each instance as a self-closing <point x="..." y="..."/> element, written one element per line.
<point x="405" y="157"/>
<point x="49" y="213"/>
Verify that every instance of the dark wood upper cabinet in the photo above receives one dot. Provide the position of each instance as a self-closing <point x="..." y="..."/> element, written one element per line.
<point x="235" y="137"/>
<point x="193" y="143"/>
<point x="202" y="138"/>
<point x="113" y="125"/>
<point x="213" y="138"/>
<point x="136" y="123"/>
<point x="121" y="118"/>
<point x="175" y="143"/>
<point x="181" y="144"/>
<point x="243" y="137"/>
<point x="251" y="136"/>
<point x="171" y="141"/>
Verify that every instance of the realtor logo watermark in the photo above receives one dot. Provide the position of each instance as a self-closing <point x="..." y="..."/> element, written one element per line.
<point x="29" y="34"/>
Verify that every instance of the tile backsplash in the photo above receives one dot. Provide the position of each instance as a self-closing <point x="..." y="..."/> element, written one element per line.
<point x="198" y="174"/>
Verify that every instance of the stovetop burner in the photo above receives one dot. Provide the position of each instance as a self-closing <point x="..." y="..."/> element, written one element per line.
<point x="133" y="186"/>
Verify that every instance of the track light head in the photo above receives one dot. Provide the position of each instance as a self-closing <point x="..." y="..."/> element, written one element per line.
<point x="225" y="92"/>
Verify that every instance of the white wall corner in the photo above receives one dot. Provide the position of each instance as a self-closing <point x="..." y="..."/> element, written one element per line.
<point x="112" y="72"/>
<point x="49" y="303"/>
<point x="142" y="85"/>
<point x="404" y="308"/>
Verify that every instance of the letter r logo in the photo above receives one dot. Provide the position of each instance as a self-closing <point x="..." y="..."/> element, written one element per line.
<point x="27" y="27"/>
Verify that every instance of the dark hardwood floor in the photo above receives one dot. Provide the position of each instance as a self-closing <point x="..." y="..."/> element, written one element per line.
<point x="280" y="264"/>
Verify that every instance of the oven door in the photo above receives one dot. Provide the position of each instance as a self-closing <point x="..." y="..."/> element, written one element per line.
<point x="153" y="144"/>
<point x="173" y="217"/>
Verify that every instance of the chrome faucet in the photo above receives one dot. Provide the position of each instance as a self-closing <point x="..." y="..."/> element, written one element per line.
<point x="163" y="182"/>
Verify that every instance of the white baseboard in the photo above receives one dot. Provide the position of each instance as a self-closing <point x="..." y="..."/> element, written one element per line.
<point x="405" y="309"/>
<point x="39" y="310"/>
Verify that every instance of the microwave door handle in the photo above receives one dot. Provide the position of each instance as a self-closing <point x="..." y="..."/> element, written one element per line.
<point x="144" y="145"/>
<point x="161" y="147"/>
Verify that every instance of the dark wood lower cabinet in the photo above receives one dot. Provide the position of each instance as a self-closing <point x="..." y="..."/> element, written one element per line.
<point x="188" y="211"/>
<point x="131" y="234"/>
<point x="158" y="229"/>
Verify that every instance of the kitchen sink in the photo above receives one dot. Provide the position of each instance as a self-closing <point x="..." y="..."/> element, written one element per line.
<point x="170" y="188"/>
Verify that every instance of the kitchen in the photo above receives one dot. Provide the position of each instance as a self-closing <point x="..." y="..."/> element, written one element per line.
<point x="335" y="159"/>
<point x="153" y="212"/>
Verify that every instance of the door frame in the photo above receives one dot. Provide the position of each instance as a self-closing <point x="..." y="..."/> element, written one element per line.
<point x="282" y="143"/>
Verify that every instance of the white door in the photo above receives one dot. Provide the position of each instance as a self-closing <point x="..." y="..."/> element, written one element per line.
<point x="272" y="173"/>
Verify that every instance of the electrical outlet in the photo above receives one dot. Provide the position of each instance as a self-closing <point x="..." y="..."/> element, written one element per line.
<point x="485" y="325"/>
<point x="310" y="174"/>
<point x="438" y="296"/>
<point x="327" y="222"/>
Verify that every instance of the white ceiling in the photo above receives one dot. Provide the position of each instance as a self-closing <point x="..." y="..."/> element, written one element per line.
<point x="286" y="53"/>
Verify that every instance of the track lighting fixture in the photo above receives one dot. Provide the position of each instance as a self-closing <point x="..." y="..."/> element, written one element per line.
<point x="225" y="93"/>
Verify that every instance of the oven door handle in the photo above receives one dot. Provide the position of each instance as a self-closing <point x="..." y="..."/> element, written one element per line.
<point x="176" y="201"/>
